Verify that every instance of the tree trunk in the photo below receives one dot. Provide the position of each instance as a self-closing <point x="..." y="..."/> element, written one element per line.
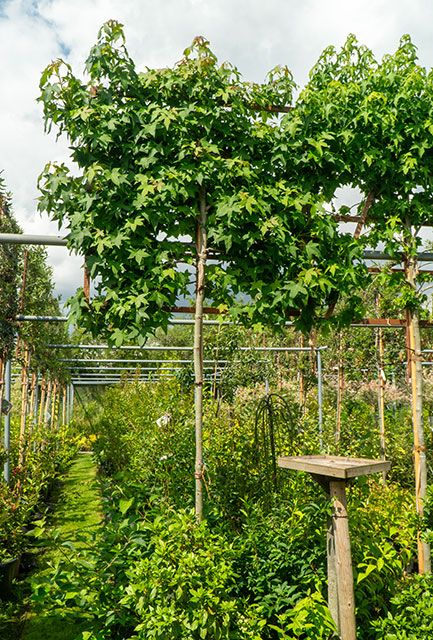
<point x="2" y="371"/>
<point x="420" y="462"/>
<point x="47" y="417"/>
<point x="42" y="401"/>
<point x="381" y="395"/>
<point x="340" y="389"/>
<point x="63" y="405"/>
<point x="54" y="405"/>
<point x="33" y="398"/>
<point x="198" y="352"/>
<point x="419" y="450"/>
<point x="24" y="402"/>
<point x="301" y="375"/>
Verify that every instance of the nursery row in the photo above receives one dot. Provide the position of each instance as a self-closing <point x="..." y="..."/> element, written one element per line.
<point x="255" y="568"/>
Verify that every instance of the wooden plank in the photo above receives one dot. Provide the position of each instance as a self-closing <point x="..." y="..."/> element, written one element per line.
<point x="334" y="466"/>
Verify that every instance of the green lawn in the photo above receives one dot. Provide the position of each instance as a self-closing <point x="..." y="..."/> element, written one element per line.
<point x="78" y="509"/>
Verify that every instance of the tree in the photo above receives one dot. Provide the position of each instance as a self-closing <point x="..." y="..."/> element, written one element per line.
<point x="188" y="152"/>
<point x="9" y="275"/>
<point x="377" y="120"/>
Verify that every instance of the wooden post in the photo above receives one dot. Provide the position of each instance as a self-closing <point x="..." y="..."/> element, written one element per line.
<point x="416" y="375"/>
<point x="332" y="574"/>
<point x="343" y="561"/>
<point x="333" y="473"/>
<point x="419" y="450"/>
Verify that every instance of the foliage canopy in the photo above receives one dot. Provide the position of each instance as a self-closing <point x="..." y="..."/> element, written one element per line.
<point x="148" y="146"/>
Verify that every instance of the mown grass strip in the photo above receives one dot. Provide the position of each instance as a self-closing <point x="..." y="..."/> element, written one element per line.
<point x="78" y="510"/>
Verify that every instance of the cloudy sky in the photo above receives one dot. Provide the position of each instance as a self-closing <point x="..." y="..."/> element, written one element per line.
<point x="255" y="35"/>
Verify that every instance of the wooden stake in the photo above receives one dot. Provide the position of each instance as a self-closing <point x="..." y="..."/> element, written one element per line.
<point x="47" y="404"/>
<point x="414" y="348"/>
<point x="332" y="574"/>
<point x="381" y="349"/>
<point x="24" y="402"/>
<point x="63" y="405"/>
<point x="53" y="405"/>
<point x="419" y="449"/>
<point x="32" y="399"/>
<point x="301" y="376"/>
<point x="2" y="373"/>
<point x="198" y="351"/>
<point x="42" y="401"/>
<point x="340" y="389"/>
<point x="86" y="283"/>
<point x="343" y="561"/>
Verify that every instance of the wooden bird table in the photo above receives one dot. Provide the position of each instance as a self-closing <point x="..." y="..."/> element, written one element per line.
<point x="334" y="473"/>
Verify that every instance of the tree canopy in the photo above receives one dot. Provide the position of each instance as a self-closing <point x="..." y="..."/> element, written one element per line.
<point x="149" y="147"/>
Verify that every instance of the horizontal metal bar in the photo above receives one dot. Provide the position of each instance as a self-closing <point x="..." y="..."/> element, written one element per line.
<point x="155" y="348"/>
<point x="162" y="369"/>
<point x="125" y="347"/>
<point x="22" y="238"/>
<point x="23" y="318"/>
<point x="121" y="360"/>
<point x="423" y="256"/>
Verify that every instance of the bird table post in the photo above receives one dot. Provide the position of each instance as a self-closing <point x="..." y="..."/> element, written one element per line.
<point x="334" y="473"/>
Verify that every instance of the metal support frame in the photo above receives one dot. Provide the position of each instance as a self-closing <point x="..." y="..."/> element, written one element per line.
<point x="7" y="422"/>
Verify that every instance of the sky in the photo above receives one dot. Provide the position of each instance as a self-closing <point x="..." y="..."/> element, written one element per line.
<point x="255" y="35"/>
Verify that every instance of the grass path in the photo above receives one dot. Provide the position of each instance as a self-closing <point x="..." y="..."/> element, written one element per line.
<point x="77" y="510"/>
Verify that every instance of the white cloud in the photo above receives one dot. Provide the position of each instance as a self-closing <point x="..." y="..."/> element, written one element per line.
<point x="253" y="34"/>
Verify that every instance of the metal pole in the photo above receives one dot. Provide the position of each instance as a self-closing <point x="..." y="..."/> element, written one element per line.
<point x="68" y="417"/>
<point x="21" y="238"/>
<point x="72" y="401"/>
<point x="320" y="395"/>
<point x="36" y="401"/>
<point x="7" y="423"/>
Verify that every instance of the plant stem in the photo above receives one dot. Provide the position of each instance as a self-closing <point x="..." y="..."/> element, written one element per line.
<point x="420" y="462"/>
<point x="201" y="244"/>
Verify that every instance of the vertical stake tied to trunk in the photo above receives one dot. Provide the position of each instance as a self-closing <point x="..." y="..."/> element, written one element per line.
<point x="333" y="473"/>
<point x="201" y="245"/>
<point x="413" y="346"/>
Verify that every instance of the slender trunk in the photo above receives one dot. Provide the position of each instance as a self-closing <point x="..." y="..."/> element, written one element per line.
<point x="54" y="405"/>
<point x="301" y="375"/>
<point x="22" y="294"/>
<point x="420" y="462"/>
<point x="42" y="401"/>
<point x="63" y="405"/>
<point x="381" y="397"/>
<point x="24" y="402"/>
<point x="198" y="352"/>
<point x="419" y="449"/>
<point x="33" y="396"/>
<point x="86" y="283"/>
<point x="340" y="389"/>
<point x="47" y="417"/>
<point x="2" y="385"/>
